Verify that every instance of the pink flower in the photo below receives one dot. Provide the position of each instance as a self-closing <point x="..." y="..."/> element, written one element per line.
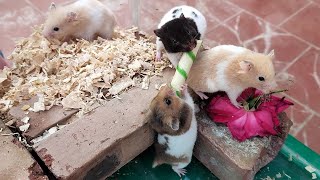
<point x="258" y="118"/>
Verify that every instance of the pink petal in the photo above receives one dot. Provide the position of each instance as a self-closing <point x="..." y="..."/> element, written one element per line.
<point x="221" y="110"/>
<point x="236" y="128"/>
<point x="252" y="126"/>
<point x="265" y="119"/>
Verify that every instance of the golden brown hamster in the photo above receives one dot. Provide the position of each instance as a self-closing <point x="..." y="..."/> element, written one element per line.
<point x="82" y="19"/>
<point x="231" y="69"/>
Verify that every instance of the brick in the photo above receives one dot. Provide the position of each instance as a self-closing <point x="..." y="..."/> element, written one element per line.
<point x="222" y="155"/>
<point x="16" y="161"/>
<point x="40" y="121"/>
<point x="98" y="144"/>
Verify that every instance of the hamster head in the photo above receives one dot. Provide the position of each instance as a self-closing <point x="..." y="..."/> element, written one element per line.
<point x="256" y="70"/>
<point x="59" y="23"/>
<point x="168" y="113"/>
<point x="179" y="35"/>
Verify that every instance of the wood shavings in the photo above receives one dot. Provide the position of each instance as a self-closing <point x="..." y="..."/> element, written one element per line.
<point x="9" y="123"/>
<point x="10" y="134"/>
<point x="39" y="105"/>
<point x="314" y="175"/>
<point x="290" y="157"/>
<point x="24" y="127"/>
<point x="268" y="178"/>
<point x="47" y="133"/>
<point x="286" y="175"/>
<point x="81" y="74"/>
<point x="159" y="86"/>
<point x="310" y="169"/>
<point x="25" y="107"/>
<point x="121" y="85"/>
<point x="136" y="65"/>
<point x="25" y="119"/>
<point x="145" y="82"/>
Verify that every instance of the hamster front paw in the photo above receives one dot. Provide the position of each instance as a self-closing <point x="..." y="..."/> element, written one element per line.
<point x="179" y="171"/>
<point x="201" y="95"/>
<point x="158" y="56"/>
<point x="184" y="89"/>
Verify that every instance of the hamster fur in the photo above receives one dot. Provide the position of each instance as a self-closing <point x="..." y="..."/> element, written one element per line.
<point x="231" y="69"/>
<point x="173" y="28"/>
<point x="85" y="19"/>
<point x="176" y="126"/>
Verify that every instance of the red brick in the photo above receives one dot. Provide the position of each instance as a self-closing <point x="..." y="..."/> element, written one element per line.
<point x="222" y="155"/>
<point x="40" y="121"/>
<point x="98" y="144"/>
<point x="16" y="161"/>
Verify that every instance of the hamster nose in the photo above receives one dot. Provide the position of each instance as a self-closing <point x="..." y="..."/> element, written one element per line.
<point x="47" y="35"/>
<point x="191" y="46"/>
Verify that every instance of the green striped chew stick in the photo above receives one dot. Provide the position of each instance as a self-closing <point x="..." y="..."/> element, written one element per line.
<point x="183" y="68"/>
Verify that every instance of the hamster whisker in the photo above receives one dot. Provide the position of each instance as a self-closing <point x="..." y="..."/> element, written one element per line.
<point x="195" y="37"/>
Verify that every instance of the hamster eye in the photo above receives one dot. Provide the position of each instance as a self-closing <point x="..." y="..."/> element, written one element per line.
<point x="261" y="78"/>
<point x="174" y="41"/>
<point x="56" y="29"/>
<point x="167" y="101"/>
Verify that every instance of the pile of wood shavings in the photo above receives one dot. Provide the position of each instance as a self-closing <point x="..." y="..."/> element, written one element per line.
<point x="81" y="75"/>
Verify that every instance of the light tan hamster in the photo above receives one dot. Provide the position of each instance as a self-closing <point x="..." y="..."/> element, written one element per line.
<point x="174" y="120"/>
<point x="85" y="19"/>
<point x="231" y="69"/>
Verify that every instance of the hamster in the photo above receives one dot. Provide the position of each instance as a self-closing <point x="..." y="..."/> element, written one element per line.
<point x="231" y="69"/>
<point x="178" y="32"/>
<point x="85" y="19"/>
<point x="174" y="120"/>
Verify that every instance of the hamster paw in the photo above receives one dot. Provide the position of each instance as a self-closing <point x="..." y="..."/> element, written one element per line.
<point x="179" y="171"/>
<point x="236" y="104"/>
<point x="158" y="56"/>
<point x="184" y="89"/>
<point x="201" y="95"/>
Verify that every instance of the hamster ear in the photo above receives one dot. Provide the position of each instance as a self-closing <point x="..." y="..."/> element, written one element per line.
<point x="158" y="32"/>
<point x="182" y="16"/>
<point x="271" y="54"/>
<point x="245" y="66"/>
<point x="175" y="124"/>
<point x="72" y="16"/>
<point x="52" y="6"/>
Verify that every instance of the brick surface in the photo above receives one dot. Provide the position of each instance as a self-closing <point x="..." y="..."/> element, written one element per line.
<point x="222" y="155"/>
<point x="96" y="145"/>
<point x="16" y="161"/>
<point x="40" y="121"/>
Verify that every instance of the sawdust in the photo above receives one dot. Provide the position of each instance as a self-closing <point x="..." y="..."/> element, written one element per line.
<point x="81" y="75"/>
